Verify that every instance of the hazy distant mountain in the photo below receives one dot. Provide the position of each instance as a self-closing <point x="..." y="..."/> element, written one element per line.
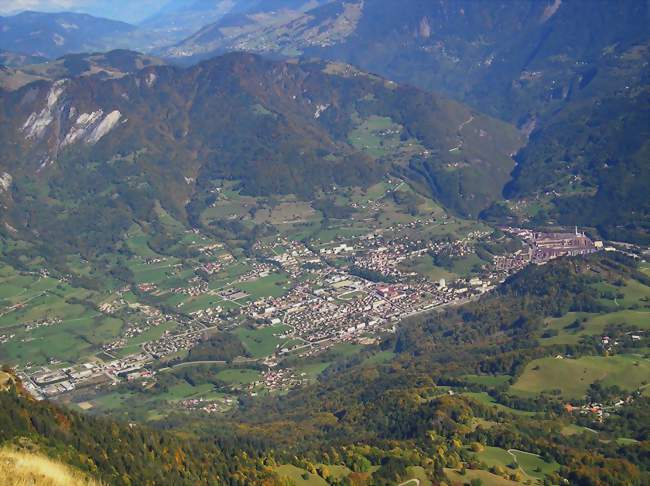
<point x="112" y="64"/>
<point x="189" y="15"/>
<point x="245" y="17"/>
<point x="487" y="53"/>
<point x="13" y="59"/>
<point x="177" y="20"/>
<point x="54" y="35"/>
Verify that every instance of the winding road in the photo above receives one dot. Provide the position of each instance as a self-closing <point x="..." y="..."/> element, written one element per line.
<point x="416" y="481"/>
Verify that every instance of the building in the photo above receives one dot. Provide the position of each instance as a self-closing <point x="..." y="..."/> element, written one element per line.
<point x="547" y="246"/>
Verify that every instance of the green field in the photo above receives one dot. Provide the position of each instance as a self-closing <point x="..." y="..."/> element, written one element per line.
<point x="486" y="399"/>
<point x="275" y="285"/>
<point x="376" y="136"/>
<point x="380" y="357"/>
<point x="418" y="472"/>
<point x="184" y="391"/>
<point x="594" y="324"/>
<point x="572" y="377"/>
<point x="295" y="475"/>
<point x="263" y="341"/>
<point x="495" y="456"/>
<point x="486" y="477"/>
<point x="238" y="376"/>
<point x="464" y="266"/>
<point x="150" y="334"/>
<point x="424" y="266"/>
<point x="68" y="341"/>
<point x="573" y="429"/>
<point x="153" y="273"/>
<point x="634" y="294"/>
<point x="530" y="464"/>
<point x="488" y="380"/>
<point x="312" y="370"/>
<point x="533" y="465"/>
<point x="645" y="268"/>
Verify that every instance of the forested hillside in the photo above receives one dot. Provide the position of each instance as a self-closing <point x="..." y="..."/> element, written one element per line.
<point x="446" y="404"/>
<point x="85" y="156"/>
<point x="571" y="74"/>
<point x="124" y="454"/>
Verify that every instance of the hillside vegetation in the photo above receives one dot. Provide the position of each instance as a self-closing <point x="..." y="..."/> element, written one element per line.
<point x="571" y="74"/>
<point x="21" y="468"/>
<point x="86" y="157"/>
<point x="457" y="393"/>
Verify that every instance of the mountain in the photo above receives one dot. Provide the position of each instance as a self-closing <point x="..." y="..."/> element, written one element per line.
<point x="175" y="21"/>
<point x="572" y="74"/>
<point x="13" y="59"/>
<point x="112" y="64"/>
<point x="53" y="35"/>
<point x="181" y="18"/>
<point x="87" y="154"/>
<point x="467" y="49"/>
<point x="48" y="445"/>
<point x="244" y="18"/>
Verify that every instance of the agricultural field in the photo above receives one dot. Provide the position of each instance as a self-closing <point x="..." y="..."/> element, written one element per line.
<point x="238" y="376"/>
<point x="632" y="294"/>
<point x="486" y="399"/>
<point x="377" y="136"/>
<point x="645" y="268"/>
<point x="274" y="285"/>
<point x="530" y="465"/>
<point x="418" y="473"/>
<point x="44" y="318"/>
<point x="592" y="325"/>
<point x="262" y="342"/>
<point x="572" y="377"/>
<point x="424" y="266"/>
<point x="299" y="477"/>
<point x="148" y="406"/>
<point x="572" y="429"/>
<point x="486" y="478"/>
<point x="533" y="465"/>
<point x="488" y="380"/>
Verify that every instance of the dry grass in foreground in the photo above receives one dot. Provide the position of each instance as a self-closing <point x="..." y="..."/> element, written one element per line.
<point x="19" y="468"/>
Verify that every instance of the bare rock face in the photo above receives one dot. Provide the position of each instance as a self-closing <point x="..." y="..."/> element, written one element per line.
<point x="5" y="181"/>
<point x="57" y="124"/>
<point x="424" y="29"/>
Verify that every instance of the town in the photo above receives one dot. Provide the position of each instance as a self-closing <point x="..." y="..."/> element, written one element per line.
<point x="347" y="291"/>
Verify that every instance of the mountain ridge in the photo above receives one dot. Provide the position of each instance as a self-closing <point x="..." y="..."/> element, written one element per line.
<point x="278" y="128"/>
<point x="538" y="65"/>
<point x="53" y="35"/>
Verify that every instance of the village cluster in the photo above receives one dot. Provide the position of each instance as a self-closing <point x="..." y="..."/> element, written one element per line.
<point x="348" y="290"/>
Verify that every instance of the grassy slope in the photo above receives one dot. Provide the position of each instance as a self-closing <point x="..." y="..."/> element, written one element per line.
<point x="574" y="376"/>
<point x="487" y="478"/>
<point x="294" y="474"/>
<point x="25" y="468"/>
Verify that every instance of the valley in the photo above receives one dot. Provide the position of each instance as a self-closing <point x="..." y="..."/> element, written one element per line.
<point x="325" y="242"/>
<point x="317" y="287"/>
<point x="205" y="328"/>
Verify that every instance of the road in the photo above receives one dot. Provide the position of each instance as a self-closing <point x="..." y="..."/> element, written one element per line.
<point x="416" y="481"/>
<point x="219" y="362"/>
